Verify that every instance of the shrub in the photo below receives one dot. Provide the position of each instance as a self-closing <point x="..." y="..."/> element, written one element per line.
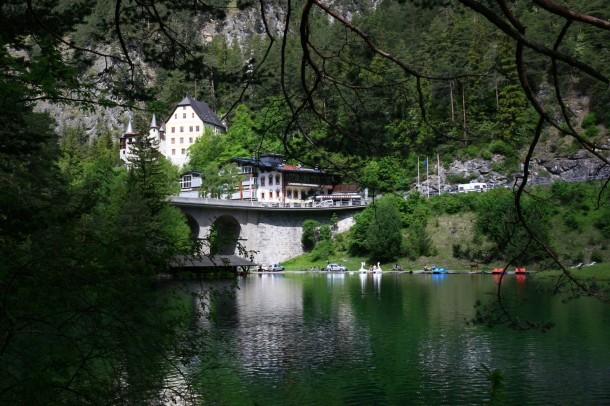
<point x="590" y="133"/>
<point x="496" y="219"/>
<point x="501" y="148"/>
<point x="322" y="251"/>
<point x="571" y="221"/>
<point x="453" y="205"/>
<point x="471" y="151"/>
<point x="341" y="242"/>
<point x="324" y="233"/>
<point x="455" y="179"/>
<point x="486" y="154"/>
<point x="310" y="234"/>
<point x="590" y="120"/>
<point x="357" y="234"/>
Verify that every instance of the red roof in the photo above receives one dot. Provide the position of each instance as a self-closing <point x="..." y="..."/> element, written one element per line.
<point x="291" y="167"/>
<point x="346" y="189"/>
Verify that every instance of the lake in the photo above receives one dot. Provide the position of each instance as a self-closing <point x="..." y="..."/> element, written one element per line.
<point x="394" y="339"/>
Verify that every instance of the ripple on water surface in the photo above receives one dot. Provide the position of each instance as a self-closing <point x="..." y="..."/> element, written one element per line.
<point x="392" y="340"/>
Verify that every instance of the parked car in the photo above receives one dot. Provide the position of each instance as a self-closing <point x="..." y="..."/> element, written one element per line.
<point x="325" y="203"/>
<point x="275" y="267"/>
<point x="335" y="267"/>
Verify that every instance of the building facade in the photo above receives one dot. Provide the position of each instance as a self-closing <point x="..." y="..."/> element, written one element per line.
<point x="268" y="179"/>
<point x="187" y="122"/>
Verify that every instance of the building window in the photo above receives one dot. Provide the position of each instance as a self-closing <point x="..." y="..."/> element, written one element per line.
<point x="270" y="180"/>
<point x="173" y="152"/>
<point x="181" y="129"/>
<point x="173" y="140"/>
<point x="191" y="128"/>
<point x="183" y="151"/>
<point x="183" y="107"/>
<point x="277" y="179"/>
<point x="176" y="115"/>
<point x="192" y="115"/>
<point x="181" y="140"/>
<point x="173" y="129"/>
<point x="185" y="182"/>
<point x="263" y="181"/>
<point x="183" y="115"/>
<point x="197" y="128"/>
<point x="263" y="196"/>
<point x="190" y="140"/>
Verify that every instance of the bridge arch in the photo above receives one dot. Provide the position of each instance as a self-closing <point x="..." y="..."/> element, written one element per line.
<point x="193" y="225"/>
<point x="227" y="231"/>
<point x="270" y="234"/>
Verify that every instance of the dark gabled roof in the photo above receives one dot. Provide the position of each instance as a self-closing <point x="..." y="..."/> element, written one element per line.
<point x="190" y="173"/>
<point x="280" y="167"/>
<point x="328" y="177"/>
<point x="202" y="110"/>
<point x="346" y="188"/>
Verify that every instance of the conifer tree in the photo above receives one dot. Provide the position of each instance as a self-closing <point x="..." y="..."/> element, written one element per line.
<point x="384" y="237"/>
<point x="512" y="104"/>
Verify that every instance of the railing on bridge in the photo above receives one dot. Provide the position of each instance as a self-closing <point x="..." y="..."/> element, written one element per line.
<point x="295" y="205"/>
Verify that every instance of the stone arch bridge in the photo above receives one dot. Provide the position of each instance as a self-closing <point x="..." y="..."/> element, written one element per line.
<point x="274" y="233"/>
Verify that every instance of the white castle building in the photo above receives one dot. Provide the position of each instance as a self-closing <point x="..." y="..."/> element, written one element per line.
<point x="186" y="123"/>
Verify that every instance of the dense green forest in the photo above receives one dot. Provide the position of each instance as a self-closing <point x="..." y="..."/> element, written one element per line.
<point x="84" y="239"/>
<point x="450" y="85"/>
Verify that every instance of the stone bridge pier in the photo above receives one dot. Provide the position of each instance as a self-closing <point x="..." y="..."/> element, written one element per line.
<point x="274" y="233"/>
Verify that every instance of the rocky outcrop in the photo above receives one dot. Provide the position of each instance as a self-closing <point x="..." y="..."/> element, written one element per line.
<point x="544" y="169"/>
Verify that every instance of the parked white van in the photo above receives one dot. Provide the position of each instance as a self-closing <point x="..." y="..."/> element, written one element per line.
<point x="472" y="187"/>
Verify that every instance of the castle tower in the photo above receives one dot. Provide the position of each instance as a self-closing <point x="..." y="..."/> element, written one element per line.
<point x="126" y="142"/>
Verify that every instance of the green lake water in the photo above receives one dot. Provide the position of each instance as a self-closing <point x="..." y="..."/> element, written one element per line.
<point x="401" y="339"/>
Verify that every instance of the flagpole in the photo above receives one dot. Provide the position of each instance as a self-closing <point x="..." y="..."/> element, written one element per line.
<point x="418" y="185"/>
<point x="427" y="179"/>
<point x="438" y="171"/>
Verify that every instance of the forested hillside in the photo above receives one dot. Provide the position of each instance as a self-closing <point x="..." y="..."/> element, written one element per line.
<point x="437" y="78"/>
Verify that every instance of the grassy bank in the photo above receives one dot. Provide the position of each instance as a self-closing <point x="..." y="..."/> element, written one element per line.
<point x="599" y="272"/>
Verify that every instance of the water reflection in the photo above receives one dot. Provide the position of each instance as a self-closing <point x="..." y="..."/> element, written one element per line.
<point x="362" y="283"/>
<point x="336" y="278"/>
<point x="341" y="339"/>
<point x="439" y="277"/>
<point x="377" y="283"/>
